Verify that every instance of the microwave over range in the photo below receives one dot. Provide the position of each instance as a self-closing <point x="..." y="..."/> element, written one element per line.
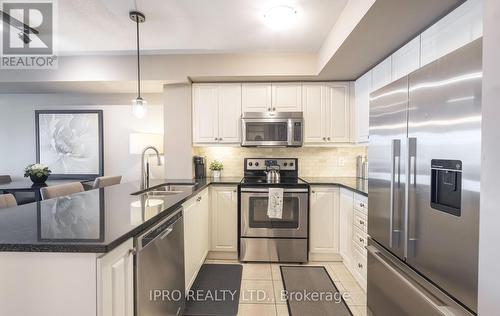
<point x="272" y="129"/>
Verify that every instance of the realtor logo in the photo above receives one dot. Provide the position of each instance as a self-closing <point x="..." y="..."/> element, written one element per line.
<point x="28" y="35"/>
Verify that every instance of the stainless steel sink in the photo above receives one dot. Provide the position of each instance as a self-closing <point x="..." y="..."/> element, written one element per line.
<point x="175" y="188"/>
<point x="168" y="189"/>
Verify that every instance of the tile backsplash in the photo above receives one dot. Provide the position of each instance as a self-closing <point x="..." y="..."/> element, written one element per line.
<point x="313" y="161"/>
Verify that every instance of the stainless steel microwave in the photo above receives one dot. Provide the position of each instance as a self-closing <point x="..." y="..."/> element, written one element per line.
<point x="272" y="129"/>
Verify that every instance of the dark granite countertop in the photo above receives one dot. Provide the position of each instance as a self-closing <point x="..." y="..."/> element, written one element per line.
<point x="94" y="221"/>
<point x="357" y="185"/>
<point x="97" y="221"/>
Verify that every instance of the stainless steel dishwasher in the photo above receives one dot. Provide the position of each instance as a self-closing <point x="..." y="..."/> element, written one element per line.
<point x="160" y="268"/>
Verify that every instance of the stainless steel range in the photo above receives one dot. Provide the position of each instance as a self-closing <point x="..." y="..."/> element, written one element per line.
<point x="262" y="238"/>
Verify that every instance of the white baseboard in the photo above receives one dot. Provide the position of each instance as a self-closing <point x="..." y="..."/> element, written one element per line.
<point x="222" y="255"/>
<point x="325" y="257"/>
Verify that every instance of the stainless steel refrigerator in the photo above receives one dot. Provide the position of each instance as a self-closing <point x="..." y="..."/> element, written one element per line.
<point x="423" y="189"/>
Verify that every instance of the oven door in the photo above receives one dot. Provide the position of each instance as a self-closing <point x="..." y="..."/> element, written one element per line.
<point x="256" y="223"/>
<point x="266" y="132"/>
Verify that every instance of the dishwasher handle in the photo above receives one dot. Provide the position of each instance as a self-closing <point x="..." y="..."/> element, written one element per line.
<point x="161" y="230"/>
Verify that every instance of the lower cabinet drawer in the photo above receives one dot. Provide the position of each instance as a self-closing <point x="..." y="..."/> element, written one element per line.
<point x="360" y="261"/>
<point x="359" y="238"/>
<point x="361" y="205"/>
<point x="360" y="221"/>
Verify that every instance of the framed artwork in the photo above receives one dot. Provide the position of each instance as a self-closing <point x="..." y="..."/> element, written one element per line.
<point x="70" y="142"/>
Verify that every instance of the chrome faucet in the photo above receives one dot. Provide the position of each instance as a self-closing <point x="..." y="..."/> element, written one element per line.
<point x="145" y="169"/>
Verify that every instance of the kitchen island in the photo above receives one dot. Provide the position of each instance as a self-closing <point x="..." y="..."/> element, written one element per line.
<point x="74" y="255"/>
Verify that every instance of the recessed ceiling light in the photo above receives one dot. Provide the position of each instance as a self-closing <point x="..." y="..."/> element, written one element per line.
<point x="280" y="17"/>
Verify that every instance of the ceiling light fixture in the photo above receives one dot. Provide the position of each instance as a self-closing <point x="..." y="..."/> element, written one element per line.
<point x="280" y="17"/>
<point x="138" y="104"/>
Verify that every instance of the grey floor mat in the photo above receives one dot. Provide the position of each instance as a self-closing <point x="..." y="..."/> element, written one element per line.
<point x="219" y="286"/>
<point x="305" y="280"/>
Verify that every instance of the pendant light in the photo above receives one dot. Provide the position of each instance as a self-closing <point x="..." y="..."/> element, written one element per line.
<point x="138" y="104"/>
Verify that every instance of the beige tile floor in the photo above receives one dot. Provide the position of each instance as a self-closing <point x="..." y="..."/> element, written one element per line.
<point x="261" y="286"/>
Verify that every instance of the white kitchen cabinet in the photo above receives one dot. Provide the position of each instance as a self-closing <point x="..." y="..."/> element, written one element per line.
<point x="216" y="113"/>
<point x="256" y="97"/>
<point x="205" y="113"/>
<point x="382" y="74"/>
<point x="224" y="219"/>
<point x="315" y="118"/>
<point x="324" y="222"/>
<point x="286" y="97"/>
<point x="406" y="59"/>
<point x="196" y="237"/>
<point x="276" y="97"/>
<point x="115" y="281"/>
<point x="360" y="239"/>
<point x="326" y="112"/>
<point x="337" y="110"/>
<point x="346" y="209"/>
<point x="460" y="27"/>
<point x="229" y="113"/>
<point x="361" y="109"/>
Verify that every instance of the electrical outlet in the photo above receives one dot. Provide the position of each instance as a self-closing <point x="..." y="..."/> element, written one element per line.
<point x="341" y="162"/>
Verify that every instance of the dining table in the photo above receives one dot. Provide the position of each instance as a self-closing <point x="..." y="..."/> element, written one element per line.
<point x="26" y="185"/>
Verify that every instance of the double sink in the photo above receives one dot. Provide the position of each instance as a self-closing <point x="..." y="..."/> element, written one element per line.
<point x="168" y="189"/>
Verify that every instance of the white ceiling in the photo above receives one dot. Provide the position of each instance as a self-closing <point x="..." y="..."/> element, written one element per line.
<point x="191" y="26"/>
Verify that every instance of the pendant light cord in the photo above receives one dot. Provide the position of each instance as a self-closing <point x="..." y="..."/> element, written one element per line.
<point x="138" y="61"/>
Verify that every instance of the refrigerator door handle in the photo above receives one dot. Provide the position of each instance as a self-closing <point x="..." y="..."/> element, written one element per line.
<point x="412" y="167"/>
<point x="419" y="290"/>
<point x="412" y="154"/>
<point x="395" y="172"/>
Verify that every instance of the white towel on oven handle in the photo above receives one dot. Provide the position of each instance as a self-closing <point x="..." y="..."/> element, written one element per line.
<point x="275" y="203"/>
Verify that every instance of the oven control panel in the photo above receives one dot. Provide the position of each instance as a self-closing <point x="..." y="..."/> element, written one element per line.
<point x="270" y="163"/>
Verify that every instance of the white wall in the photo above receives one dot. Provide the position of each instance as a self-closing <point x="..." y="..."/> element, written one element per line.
<point x="489" y="234"/>
<point x="17" y="130"/>
<point x="178" y="131"/>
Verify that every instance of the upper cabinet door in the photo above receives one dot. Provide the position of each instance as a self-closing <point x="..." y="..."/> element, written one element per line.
<point x="362" y="108"/>
<point x="382" y="74"/>
<point x="406" y="59"/>
<point x="229" y="113"/>
<point x="337" y="105"/>
<point x="205" y="113"/>
<point x="455" y="30"/>
<point x="287" y="97"/>
<point x="256" y="97"/>
<point x="313" y="101"/>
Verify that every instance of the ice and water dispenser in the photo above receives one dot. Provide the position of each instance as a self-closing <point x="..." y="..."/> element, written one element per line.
<point x="446" y="186"/>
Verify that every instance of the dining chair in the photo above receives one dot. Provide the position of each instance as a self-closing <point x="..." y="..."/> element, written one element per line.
<point x="61" y="190"/>
<point x="5" y="179"/>
<point x="106" y="181"/>
<point x="7" y="200"/>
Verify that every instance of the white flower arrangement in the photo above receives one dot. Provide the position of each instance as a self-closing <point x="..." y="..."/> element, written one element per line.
<point x="37" y="170"/>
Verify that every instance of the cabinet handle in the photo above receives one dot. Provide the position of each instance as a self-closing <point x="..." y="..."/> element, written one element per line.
<point x="269" y="109"/>
<point x="198" y="199"/>
<point x="360" y="265"/>
<point x="274" y="109"/>
<point x="328" y="138"/>
<point x="362" y="204"/>
<point x="220" y="138"/>
<point x="324" y="138"/>
<point x="362" y="223"/>
<point x="132" y="252"/>
<point x="215" y="138"/>
<point x="361" y="240"/>
<point x="313" y="192"/>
